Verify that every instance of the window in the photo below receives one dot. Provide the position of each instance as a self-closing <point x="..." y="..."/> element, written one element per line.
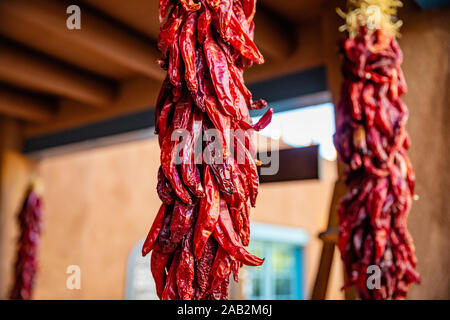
<point x="281" y="275"/>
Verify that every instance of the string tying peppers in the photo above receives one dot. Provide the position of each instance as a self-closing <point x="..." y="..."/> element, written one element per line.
<point x="199" y="235"/>
<point x="30" y="227"/>
<point x="371" y="139"/>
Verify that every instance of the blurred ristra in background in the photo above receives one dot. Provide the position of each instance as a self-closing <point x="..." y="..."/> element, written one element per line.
<point x="371" y="139"/>
<point x="30" y="222"/>
<point x="200" y="231"/>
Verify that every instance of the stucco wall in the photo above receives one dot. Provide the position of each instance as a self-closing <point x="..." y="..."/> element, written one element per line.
<point x="426" y="45"/>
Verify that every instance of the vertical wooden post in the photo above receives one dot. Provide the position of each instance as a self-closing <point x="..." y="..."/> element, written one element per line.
<point x="330" y="38"/>
<point x="15" y="172"/>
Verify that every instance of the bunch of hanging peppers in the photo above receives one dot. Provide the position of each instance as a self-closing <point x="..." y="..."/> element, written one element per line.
<point x="208" y="176"/>
<point x="26" y="264"/>
<point x="371" y="139"/>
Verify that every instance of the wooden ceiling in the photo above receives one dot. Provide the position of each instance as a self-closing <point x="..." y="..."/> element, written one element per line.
<point x="50" y="75"/>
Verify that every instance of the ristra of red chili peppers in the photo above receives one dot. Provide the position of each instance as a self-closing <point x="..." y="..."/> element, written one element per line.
<point x="198" y="236"/>
<point x="371" y="139"/>
<point x="30" y="218"/>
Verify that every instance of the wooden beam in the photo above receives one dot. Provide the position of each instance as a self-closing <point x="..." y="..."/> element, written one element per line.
<point x="27" y="70"/>
<point x="132" y="96"/>
<point x="290" y="164"/>
<point x="85" y="135"/>
<point x="273" y="36"/>
<point x="22" y="106"/>
<point x="96" y="34"/>
<point x="331" y="235"/>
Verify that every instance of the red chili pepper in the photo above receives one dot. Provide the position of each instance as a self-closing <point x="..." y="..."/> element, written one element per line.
<point x="170" y="290"/>
<point x="220" y="164"/>
<point x="204" y="21"/>
<point x="245" y="231"/>
<point x="182" y="113"/>
<point x="164" y="238"/>
<point x="220" y="75"/>
<point x="371" y="140"/>
<point x="261" y="124"/>
<point x="182" y="218"/>
<point x="163" y="94"/>
<point x="215" y="41"/>
<point x="213" y="4"/>
<point x="169" y="30"/>
<point x="30" y="220"/>
<point x="224" y="11"/>
<point x="154" y="230"/>
<point x="169" y="168"/>
<point x="164" y="6"/>
<point x="158" y="262"/>
<point x="228" y="239"/>
<point x="185" y="271"/>
<point x="190" y="5"/>
<point x="220" y="121"/>
<point x="189" y="170"/>
<point x="238" y="78"/>
<point x="208" y="213"/>
<point x="204" y="265"/>
<point x="163" y="118"/>
<point x="220" y="270"/>
<point x="242" y="41"/>
<point x="187" y="46"/>
<point x="258" y="104"/>
<point x="249" y="9"/>
<point x="174" y="72"/>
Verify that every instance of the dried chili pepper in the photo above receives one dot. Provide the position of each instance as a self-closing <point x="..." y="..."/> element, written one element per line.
<point x="30" y="221"/>
<point x="154" y="230"/>
<point x="197" y="239"/>
<point x="187" y="45"/>
<point x="371" y="140"/>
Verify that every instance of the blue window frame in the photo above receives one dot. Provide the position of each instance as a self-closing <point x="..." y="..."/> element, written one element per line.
<point x="281" y="277"/>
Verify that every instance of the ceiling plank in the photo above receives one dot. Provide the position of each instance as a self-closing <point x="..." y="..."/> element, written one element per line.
<point x="141" y="15"/>
<point x="27" y="70"/>
<point x="22" y="106"/>
<point x="97" y="34"/>
<point x="61" y="48"/>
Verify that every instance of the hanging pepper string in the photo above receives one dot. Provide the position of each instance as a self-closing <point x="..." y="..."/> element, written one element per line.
<point x="371" y="139"/>
<point x="30" y="220"/>
<point x="208" y="176"/>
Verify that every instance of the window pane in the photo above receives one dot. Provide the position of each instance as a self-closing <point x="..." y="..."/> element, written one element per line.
<point x="256" y="288"/>
<point x="283" y="259"/>
<point x="283" y="287"/>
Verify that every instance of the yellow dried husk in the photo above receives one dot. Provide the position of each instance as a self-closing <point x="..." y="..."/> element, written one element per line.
<point x="373" y="14"/>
